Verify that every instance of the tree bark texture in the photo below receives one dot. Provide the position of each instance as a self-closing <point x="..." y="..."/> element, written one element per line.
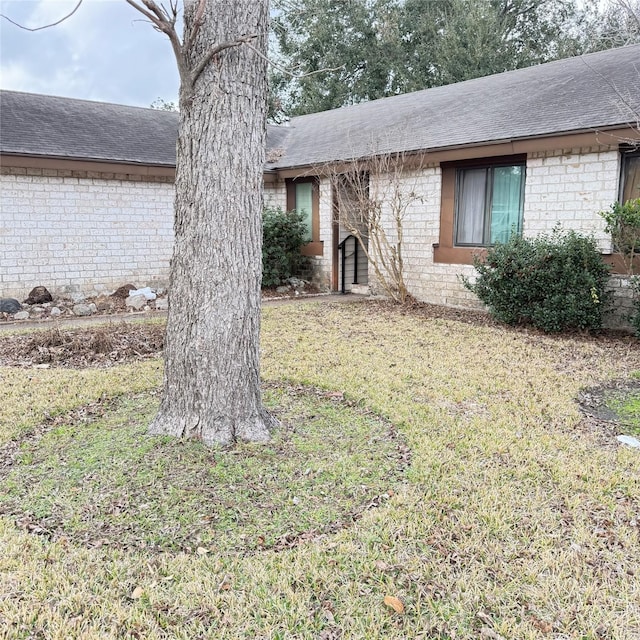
<point x="212" y="370"/>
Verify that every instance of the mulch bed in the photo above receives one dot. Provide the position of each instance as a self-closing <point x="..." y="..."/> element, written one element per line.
<point x="102" y="346"/>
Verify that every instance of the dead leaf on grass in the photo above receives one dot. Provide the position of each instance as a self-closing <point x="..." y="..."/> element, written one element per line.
<point x="394" y="603"/>
<point x="542" y="625"/>
<point x="136" y="594"/>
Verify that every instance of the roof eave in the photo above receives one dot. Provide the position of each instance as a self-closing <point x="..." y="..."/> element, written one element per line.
<point x="42" y="156"/>
<point x="605" y="130"/>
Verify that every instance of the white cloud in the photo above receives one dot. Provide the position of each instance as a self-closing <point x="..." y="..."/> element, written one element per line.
<point x="102" y="52"/>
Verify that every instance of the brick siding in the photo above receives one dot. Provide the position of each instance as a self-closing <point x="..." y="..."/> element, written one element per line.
<point x="78" y="230"/>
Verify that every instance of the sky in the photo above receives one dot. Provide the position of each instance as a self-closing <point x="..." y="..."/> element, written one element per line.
<point x="105" y="51"/>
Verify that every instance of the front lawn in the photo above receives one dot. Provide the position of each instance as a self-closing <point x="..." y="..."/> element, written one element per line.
<point x="458" y="477"/>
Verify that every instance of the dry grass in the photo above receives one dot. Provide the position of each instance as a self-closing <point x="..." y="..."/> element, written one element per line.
<point x="515" y="523"/>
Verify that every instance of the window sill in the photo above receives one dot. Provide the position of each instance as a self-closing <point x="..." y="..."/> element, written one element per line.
<point x="617" y="264"/>
<point x="312" y="248"/>
<point x="456" y="255"/>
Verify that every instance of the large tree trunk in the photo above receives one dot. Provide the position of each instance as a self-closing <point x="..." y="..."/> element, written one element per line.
<point x="212" y="375"/>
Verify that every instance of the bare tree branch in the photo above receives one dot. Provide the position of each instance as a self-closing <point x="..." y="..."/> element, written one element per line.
<point x="289" y="73"/>
<point x="46" y="26"/>
<point x="165" y="22"/>
<point x="632" y="11"/>
<point x="632" y="113"/>
<point x="373" y="196"/>
<point x="161" y="13"/>
<point x="147" y="14"/>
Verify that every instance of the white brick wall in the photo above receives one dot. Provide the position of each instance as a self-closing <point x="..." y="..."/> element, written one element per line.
<point x="86" y="233"/>
<point x="275" y="195"/>
<point x="569" y="188"/>
<point x="83" y="233"/>
<point x="623" y="308"/>
<point x="426" y="280"/>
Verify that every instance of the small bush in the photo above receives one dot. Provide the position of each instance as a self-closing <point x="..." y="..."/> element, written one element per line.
<point x="634" y="318"/>
<point x="623" y="223"/>
<point x="283" y="233"/>
<point x="555" y="282"/>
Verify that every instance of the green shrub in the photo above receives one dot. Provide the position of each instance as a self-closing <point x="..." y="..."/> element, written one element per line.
<point x="634" y="318"/>
<point x="623" y="223"/>
<point x="283" y="233"/>
<point x="554" y="282"/>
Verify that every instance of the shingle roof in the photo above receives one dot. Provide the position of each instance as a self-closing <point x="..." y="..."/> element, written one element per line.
<point x="32" y="124"/>
<point x="591" y="92"/>
<point x="37" y="125"/>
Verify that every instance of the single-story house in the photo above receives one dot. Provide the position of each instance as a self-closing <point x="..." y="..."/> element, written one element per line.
<point x="87" y="187"/>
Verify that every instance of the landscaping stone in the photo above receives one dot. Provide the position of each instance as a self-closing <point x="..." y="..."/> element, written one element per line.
<point x="77" y="297"/>
<point x="9" y="305"/>
<point x="283" y="289"/>
<point x="21" y="315"/>
<point x="55" y="312"/>
<point x="38" y="295"/>
<point x="136" y="302"/>
<point x="123" y="291"/>
<point x="105" y="303"/>
<point x="36" y="312"/>
<point x="162" y="304"/>
<point x="629" y="441"/>
<point x="145" y="291"/>
<point x="82" y="310"/>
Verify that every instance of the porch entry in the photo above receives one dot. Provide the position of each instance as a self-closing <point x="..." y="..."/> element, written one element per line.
<point x="350" y="264"/>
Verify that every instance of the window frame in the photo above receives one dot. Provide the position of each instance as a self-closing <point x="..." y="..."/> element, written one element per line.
<point x="488" y="201"/>
<point x="446" y="251"/>
<point x="626" y="153"/>
<point x="315" y="247"/>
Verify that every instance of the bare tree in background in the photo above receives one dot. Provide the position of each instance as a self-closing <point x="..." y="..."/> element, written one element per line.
<point x="373" y="196"/>
<point x="614" y="24"/>
<point x="629" y="11"/>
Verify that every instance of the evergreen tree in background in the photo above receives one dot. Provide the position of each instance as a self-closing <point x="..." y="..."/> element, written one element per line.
<point x="378" y="48"/>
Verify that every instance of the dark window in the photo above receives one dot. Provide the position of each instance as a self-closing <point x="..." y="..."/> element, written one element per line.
<point x="630" y="179"/>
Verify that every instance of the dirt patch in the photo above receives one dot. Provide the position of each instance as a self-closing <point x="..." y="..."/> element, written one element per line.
<point x="103" y="346"/>
<point x="599" y="418"/>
